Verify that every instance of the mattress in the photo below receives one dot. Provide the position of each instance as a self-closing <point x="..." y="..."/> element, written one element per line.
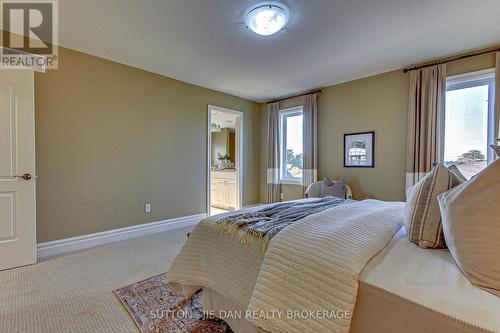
<point x="403" y="288"/>
<point x="408" y="288"/>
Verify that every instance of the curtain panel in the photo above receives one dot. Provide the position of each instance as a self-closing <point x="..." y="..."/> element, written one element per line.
<point x="496" y="119"/>
<point x="273" y="154"/>
<point x="310" y="144"/>
<point x="425" y="120"/>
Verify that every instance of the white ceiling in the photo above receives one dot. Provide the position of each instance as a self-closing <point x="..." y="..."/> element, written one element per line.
<point x="205" y="42"/>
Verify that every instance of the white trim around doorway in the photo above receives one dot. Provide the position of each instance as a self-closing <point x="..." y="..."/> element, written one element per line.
<point x="239" y="162"/>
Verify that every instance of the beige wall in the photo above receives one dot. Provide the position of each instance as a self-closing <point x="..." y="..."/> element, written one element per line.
<point x="471" y="64"/>
<point x="111" y="138"/>
<point x="377" y="103"/>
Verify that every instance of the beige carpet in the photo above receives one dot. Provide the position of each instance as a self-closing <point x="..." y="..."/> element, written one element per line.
<point x="74" y="292"/>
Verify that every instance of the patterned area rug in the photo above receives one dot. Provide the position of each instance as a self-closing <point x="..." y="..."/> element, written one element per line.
<point x="156" y="307"/>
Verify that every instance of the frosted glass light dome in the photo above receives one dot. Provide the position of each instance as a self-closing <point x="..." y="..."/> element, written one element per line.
<point x="266" y="20"/>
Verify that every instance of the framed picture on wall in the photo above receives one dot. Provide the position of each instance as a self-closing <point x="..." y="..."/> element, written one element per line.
<point x="359" y="150"/>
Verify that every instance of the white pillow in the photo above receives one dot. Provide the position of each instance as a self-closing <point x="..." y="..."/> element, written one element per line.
<point x="471" y="225"/>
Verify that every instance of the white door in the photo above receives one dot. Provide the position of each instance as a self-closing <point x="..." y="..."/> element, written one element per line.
<point x="17" y="168"/>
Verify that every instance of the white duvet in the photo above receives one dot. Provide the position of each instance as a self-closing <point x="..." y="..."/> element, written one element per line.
<point x="307" y="280"/>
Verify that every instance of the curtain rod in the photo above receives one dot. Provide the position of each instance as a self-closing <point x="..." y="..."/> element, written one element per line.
<point x="444" y="61"/>
<point x="284" y="99"/>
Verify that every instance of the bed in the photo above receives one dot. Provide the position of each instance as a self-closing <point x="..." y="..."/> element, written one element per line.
<point x="400" y="287"/>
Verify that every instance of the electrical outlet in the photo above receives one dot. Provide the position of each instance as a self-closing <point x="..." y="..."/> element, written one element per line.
<point x="281" y="196"/>
<point x="147" y="208"/>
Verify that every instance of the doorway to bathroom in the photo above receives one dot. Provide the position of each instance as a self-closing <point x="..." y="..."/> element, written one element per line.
<point x="225" y="160"/>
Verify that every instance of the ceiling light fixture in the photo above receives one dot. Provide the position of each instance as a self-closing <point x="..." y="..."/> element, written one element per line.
<point x="266" y="20"/>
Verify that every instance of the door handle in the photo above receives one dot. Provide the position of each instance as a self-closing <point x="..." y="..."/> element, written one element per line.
<point x="26" y="176"/>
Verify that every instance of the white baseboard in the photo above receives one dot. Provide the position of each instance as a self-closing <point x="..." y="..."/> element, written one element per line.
<point x="61" y="246"/>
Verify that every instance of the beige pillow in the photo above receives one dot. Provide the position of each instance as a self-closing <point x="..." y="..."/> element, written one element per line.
<point x="422" y="215"/>
<point x="453" y="168"/>
<point x="471" y="224"/>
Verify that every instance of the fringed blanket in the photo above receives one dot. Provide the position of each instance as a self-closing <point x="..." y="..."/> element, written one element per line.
<point x="266" y="223"/>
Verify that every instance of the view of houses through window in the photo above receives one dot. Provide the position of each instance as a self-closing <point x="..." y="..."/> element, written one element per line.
<point x="468" y="122"/>
<point x="291" y="144"/>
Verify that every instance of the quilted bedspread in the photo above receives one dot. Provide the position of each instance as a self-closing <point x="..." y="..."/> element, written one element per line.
<point x="307" y="280"/>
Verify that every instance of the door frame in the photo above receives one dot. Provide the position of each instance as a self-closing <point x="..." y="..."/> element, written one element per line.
<point x="239" y="161"/>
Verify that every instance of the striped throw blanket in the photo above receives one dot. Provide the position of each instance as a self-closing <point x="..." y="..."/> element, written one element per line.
<point x="268" y="222"/>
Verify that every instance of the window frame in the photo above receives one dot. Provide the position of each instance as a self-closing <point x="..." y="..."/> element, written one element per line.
<point x="283" y="114"/>
<point x="469" y="80"/>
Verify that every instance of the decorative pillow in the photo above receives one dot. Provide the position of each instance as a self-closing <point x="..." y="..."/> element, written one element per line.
<point x="471" y="225"/>
<point x="337" y="189"/>
<point x="422" y="216"/>
<point x="453" y="168"/>
<point x="327" y="181"/>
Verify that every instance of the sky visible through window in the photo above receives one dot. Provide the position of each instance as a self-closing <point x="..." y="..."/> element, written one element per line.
<point x="466" y="123"/>
<point x="294" y="134"/>
<point x="293" y="164"/>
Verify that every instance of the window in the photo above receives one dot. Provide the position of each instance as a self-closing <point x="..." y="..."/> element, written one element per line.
<point x="468" y="128"/>
<point x="291" y="145"/>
